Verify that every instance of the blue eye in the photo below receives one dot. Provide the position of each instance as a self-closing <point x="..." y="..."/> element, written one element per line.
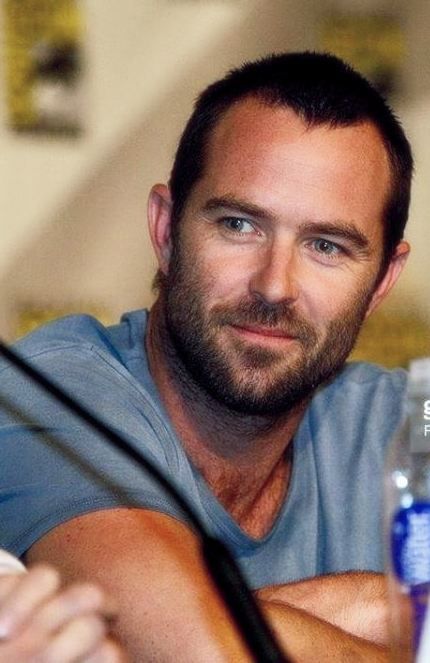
<point x="327" y="248"/>
<point x="237" y="225"/>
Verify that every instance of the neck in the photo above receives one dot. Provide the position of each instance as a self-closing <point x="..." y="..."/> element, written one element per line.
<point x="245" y="459"/>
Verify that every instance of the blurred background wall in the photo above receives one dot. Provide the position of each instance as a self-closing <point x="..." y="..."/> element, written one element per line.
<point x="73" y="217"/>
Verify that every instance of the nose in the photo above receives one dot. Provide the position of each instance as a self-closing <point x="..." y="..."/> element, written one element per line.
<point x="275" y="279"/>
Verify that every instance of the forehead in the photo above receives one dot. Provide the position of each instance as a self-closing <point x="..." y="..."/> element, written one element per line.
<point x="270" y="155"/>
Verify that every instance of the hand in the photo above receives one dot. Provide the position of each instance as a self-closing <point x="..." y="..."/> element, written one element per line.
<point x="39" y="622"/>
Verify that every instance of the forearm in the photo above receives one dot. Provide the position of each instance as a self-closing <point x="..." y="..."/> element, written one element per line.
<point x="355" y="602"/>
<point x="202" y="630"/>
<point x="307" y="638"/>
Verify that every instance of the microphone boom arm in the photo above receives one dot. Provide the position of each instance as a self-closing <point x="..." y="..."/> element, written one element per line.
<point x="224" y="571"/>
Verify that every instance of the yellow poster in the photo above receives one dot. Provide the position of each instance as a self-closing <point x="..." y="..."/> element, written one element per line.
<point x="43" y="67"/>
<point x="374" y="44"/>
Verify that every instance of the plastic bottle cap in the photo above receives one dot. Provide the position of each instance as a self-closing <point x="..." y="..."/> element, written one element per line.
<point x="419" y="375"/>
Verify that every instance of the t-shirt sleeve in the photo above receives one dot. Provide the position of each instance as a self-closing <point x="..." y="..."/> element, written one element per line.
<point x="54" y="467"/>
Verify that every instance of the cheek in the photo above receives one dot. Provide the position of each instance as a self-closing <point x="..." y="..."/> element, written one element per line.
<point x="333" y="296"/>
<point x="225" y="274"/>
<point x="227" y="283"/>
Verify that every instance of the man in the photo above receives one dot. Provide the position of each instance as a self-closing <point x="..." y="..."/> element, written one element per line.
<point x="41" y="622"/>
<point x="280" y="232"/>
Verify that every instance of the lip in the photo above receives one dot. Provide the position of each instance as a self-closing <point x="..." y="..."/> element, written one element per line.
<point x="262" y="333"/>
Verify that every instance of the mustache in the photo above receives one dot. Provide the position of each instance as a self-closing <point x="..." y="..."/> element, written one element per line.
<point x="279" y="316"/>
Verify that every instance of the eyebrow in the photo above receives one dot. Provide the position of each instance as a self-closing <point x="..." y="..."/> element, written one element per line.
<point x="237" y="205"/>
<point x="341" y="229"/>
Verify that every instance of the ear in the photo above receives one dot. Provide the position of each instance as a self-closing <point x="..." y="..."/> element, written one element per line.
<point x="391" y="275"/>
<point x="159" y="224"/>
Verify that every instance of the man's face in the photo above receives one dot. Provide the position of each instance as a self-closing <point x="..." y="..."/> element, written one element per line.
<point x="277" y="256"/>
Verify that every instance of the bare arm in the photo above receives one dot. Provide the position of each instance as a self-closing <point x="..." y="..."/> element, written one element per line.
<point x="311" y="639"/>
<point x="355" y="602"/>
<point x="168" y="607"/>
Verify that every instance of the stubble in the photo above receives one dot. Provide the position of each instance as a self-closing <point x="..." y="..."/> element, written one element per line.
<point x="245" y="377"/>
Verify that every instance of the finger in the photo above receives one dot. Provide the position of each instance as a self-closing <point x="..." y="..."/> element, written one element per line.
<point x="73" y="602"/>
<point x="108" y="652"/>
<point x="29" y="591"/>
<point x="23" y="648"/>
<point x="7" y="585"/>
<point x="78" y="639"/>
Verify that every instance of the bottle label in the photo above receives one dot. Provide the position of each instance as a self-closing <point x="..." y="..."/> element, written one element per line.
<point x="410" y="546"/>
<point x="410" y="536"/>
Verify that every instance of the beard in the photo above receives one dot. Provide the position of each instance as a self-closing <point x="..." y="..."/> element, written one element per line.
<point x="248" y="378"/>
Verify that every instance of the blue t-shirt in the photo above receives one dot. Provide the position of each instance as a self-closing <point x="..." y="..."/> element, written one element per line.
<point x="53" y="467"/>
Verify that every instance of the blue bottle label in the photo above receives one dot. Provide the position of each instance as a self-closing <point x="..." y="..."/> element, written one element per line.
<point x="410" y="546"/>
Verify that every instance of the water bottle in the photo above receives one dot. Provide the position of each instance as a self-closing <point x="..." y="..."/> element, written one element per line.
<point x="407" y="523"/>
